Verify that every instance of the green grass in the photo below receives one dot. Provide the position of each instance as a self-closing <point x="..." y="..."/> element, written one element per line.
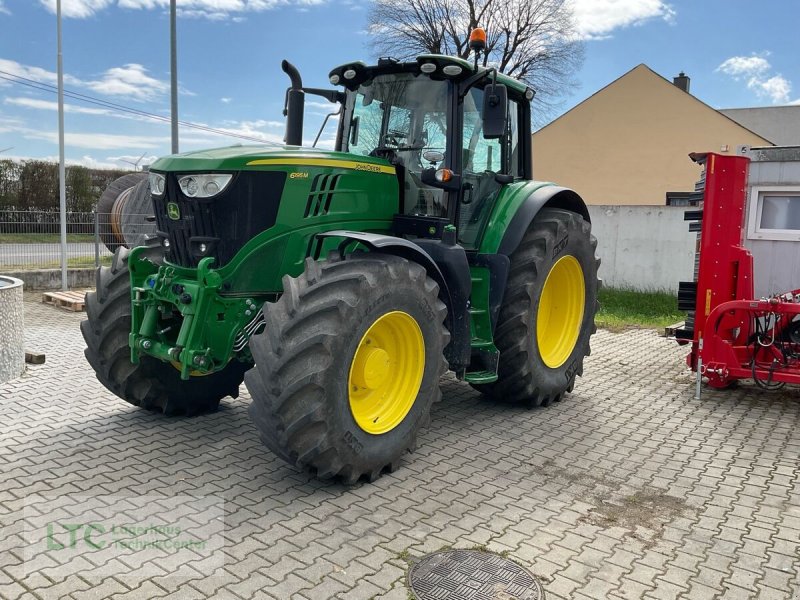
<point x="43" y="238"/>
<point x="72" y="263"/>
<point x="624" y="309"/>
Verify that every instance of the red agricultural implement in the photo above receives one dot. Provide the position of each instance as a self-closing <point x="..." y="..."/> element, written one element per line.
<point x="733" y="335"/>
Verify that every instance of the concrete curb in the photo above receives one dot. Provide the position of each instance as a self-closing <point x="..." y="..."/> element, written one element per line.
<point x="50" y="279"/>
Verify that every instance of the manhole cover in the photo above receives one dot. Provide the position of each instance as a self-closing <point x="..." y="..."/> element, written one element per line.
<point x="472" y="575"/>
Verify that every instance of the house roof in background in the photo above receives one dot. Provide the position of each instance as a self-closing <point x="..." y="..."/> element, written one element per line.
<point x="779" y="124"/>
<point x="658" y="79"/>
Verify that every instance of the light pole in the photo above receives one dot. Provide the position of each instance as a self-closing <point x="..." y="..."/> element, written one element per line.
<point x="173" y="44"/>
<point x="62" y="184"/>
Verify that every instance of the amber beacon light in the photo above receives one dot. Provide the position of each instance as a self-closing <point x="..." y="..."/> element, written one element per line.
<point x="477" y="39"/>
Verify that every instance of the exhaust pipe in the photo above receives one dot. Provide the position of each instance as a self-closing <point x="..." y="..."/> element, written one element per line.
<point x="294" y="106"/>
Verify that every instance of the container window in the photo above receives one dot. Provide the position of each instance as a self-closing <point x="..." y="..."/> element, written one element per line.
<point x="774" y="214"/>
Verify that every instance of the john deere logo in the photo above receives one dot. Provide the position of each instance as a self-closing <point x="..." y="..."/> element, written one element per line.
<point x="173" y="212"/>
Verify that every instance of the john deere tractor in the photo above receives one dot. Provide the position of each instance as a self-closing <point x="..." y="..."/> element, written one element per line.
<point x="341" y="285"/>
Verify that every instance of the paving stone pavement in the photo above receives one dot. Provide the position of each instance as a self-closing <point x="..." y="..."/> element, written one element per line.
<point x="629" y="488"/>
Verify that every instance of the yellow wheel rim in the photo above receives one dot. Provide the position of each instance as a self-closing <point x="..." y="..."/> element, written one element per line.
<point x="561" y="306"/>
<point x="386" y="372"/>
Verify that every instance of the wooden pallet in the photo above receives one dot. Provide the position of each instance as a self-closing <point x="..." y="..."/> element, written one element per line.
<point x="73" y="301"/>
<point x="669" y="331"/>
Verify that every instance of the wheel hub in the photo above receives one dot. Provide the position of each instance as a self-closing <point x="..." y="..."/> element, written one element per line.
<point x="371" y="368"/>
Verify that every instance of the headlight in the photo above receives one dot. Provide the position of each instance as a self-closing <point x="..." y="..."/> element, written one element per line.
<point x="157" y="183"/>
<point x="204" y="186"/>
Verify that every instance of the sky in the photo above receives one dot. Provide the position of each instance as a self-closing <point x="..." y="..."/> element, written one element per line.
<point x="738" y="53"/>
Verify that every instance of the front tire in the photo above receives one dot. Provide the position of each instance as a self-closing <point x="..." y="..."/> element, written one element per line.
<point x="548" y="310"/>
<point x="151" y="384"/>
<point x="348" y="365"/>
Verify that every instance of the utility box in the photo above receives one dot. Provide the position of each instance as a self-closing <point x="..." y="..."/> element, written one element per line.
<point x="772" y="224"/>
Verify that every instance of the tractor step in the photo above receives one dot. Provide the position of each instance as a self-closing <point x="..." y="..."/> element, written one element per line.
<point x="73" y="301"/>
<point x="480" y="377"/>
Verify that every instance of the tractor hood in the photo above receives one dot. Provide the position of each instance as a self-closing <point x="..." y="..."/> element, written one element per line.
<point x="238" y="158"/>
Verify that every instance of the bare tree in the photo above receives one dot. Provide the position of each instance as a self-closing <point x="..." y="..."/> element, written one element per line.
<point x="532" y="40"/>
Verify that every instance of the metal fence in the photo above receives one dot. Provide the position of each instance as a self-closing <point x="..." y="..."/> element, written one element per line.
<point x="31" y="239"/>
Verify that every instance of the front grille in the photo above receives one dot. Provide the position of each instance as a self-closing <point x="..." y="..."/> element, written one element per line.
<point x="224" y="223"/>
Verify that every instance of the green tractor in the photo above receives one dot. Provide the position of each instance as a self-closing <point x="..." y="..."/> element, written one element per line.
<point x="341" y="285"/>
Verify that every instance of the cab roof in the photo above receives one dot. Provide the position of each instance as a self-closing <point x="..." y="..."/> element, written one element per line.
<point x="362" y="72"/>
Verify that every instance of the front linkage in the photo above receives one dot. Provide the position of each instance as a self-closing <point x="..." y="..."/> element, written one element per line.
<point x="179" y="316"/>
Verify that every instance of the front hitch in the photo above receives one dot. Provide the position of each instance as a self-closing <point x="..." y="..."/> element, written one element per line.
<point x="179" y="316"/>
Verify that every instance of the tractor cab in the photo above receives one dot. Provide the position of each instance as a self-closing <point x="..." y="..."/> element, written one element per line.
<point x="455" y="132"/>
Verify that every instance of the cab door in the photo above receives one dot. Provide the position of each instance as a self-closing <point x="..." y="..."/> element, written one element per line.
<point x="486" y="166"/>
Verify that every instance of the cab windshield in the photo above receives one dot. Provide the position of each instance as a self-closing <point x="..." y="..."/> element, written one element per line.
<point x="403" y="118"/>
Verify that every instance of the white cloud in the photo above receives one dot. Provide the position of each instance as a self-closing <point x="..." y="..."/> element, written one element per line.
<point x="77" y="9"/>
<point x="99" y="141"/>
<point x="737" y="66"/>
<point x="597" y="19"/>
<point x="255" y="129"/>
<point x="226" y="100"/>
<point x="3" y="9"/>
<point x="83" y="161"/>
<point x="758" y="74"/>
<point x="8" y="124"/>
<point x="320" y="104"/>
<point x="48" y="105"/>
<point x="34" y="73"/>
<point x="37" y="104"/>
<point x="76" y="139"/>
<point x="207" y="9"/>
<point x="776" y="88"/>
<point x="130" y="80"/>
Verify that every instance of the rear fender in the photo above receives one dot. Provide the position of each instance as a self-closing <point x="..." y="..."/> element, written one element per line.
<point x="549" y="196"/>
<point x="517" y="208"/>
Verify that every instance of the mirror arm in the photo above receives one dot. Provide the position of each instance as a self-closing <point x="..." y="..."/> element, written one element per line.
<point x="329" y="95"/>
<point x="468" y="83"/>
<point x="325" y="122"/>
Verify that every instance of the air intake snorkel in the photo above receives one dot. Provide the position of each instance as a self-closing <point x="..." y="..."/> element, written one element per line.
<point x="294" y="106"/>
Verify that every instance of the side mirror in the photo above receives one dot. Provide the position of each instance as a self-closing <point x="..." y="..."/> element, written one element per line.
<point x="495" y="111"/>
<point x="433" y="156"/>
<point x="354" y="127"/>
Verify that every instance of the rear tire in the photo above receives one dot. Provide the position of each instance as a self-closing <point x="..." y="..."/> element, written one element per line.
<point x="524" y="376"/>
<point x="306" y="405"/>
<point x="151" y="384"/>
